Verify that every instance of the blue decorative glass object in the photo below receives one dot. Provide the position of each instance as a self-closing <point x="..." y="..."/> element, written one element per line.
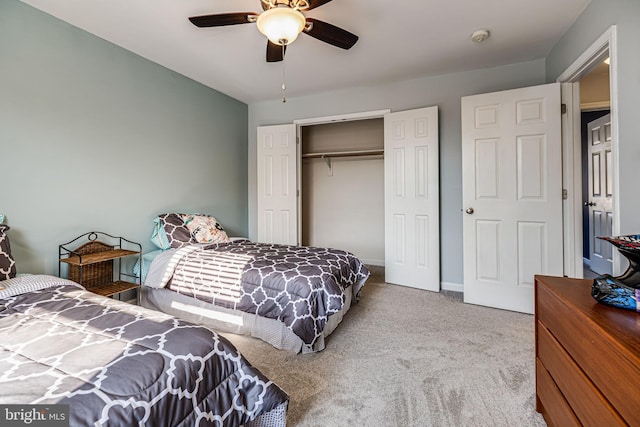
<point x="622" y="291"/>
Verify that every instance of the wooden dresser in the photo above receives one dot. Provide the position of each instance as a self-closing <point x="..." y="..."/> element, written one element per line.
<point x="587" y="357"/>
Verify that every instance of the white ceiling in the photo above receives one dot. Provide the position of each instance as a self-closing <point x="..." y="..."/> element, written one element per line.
<point x="398" y="39"/>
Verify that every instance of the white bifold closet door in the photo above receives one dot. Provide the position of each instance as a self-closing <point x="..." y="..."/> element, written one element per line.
<point x="412" y="225"/>
<point x="277" y="185"/>
<point x="412" y="240"/>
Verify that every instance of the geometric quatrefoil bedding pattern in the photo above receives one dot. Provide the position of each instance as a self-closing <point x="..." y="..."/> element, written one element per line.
<point x="119" y="364"/>
<point x="298" y="285"/>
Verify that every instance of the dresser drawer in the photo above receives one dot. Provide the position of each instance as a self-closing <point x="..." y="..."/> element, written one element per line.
<point x="589" y="405"/>
<point x="600" y="356"/>
<point x="555" y="409"/>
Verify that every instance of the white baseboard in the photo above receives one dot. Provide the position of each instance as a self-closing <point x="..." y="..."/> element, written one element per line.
<point x="376" y="262"/>
<point x="445" y="286"/>
<point x="455" y="287"/>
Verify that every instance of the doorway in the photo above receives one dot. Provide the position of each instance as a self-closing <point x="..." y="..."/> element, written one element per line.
<point x="595" y="104"/>
<point x="574" y="200"/>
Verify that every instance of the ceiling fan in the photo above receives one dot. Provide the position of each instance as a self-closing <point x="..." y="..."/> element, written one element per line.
<point x="281" y="21"/>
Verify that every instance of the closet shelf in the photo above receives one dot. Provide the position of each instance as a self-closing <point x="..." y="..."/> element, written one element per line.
<point x="353" y="153"/>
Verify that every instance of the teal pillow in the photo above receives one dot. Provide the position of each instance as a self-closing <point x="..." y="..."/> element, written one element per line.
<point x="158" y="236"/>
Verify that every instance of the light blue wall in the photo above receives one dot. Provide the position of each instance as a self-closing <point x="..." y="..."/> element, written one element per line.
<point x="93" y="137"/>
<point x="594" y="21"/>
<point x="443" y="91"/>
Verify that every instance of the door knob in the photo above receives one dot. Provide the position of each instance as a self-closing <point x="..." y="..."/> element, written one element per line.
<point x="469" y="211"/>
<point x="589" y="204"/>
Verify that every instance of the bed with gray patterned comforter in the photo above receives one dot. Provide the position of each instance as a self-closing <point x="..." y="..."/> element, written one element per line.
<point x="299" y="285"/>
<point x="122" y="365"/>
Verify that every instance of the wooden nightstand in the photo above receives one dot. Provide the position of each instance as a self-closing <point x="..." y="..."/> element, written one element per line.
<point x="95" y="262"/>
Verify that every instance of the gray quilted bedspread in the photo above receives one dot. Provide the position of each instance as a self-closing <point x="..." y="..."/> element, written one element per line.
<point x="298" y="285"/>
<point x="121" y="365"/>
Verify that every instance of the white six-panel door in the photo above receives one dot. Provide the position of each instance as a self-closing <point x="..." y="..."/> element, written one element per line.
<point x="277" y="184"/>
<point x="512" y="194"/>
<point x="600" y="194"/>
<point x="412" y="244"/>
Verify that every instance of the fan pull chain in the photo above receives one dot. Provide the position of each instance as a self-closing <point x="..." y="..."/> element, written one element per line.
<point x="284" y="86"/>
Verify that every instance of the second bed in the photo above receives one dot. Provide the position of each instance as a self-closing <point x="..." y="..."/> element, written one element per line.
<point x="292" y="297"/>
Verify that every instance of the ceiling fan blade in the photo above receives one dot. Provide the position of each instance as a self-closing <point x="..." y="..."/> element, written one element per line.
<point x="316" y="3"/>
<point x="223" y="19"/>
<point x="330" y="34"/>
<point x="274" y="52"/>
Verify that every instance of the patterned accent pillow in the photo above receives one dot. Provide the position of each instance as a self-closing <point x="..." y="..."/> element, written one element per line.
<point x="178" y="235"/>
<point x="205" y="229"/>
<point x="7" y="263"/>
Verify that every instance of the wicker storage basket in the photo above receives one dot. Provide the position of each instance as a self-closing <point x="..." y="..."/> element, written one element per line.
<point x="93" y="274"/>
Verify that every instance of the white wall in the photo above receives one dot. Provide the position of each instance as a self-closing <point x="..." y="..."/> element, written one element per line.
<point x="345" y="210"/>
<point x="443" y="91"/>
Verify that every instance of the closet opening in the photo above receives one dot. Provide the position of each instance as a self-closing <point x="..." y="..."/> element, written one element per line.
<point x="342" y="187"/>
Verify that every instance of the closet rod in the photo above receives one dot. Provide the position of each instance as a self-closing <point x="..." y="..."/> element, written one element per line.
<point x="343" y="154"/>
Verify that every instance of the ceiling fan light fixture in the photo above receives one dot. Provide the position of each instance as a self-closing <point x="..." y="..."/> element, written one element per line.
<point x="281" y="25"/>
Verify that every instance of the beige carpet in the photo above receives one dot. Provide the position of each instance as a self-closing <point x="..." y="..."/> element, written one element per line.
<point x="405" y="357"/>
